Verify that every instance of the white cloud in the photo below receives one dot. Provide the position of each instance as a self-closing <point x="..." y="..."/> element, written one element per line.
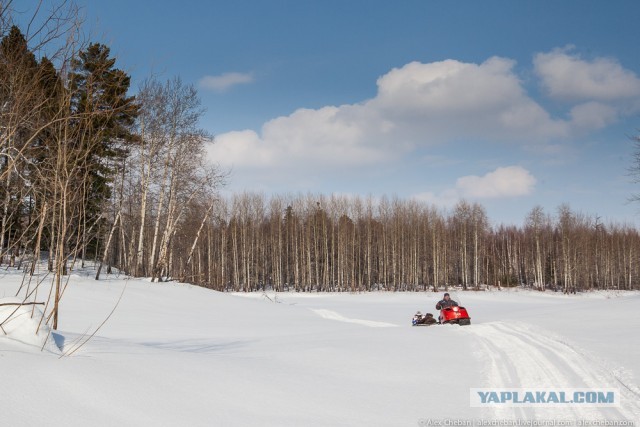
<point x="326" y="138"/>
<point x="567" y="76"/>
<point x="452" y="99"/>
<point x="241" y="147"/>
<point x="503" y="182"/>
<point x="224" y="81"/>
<point x="510" y="181"/>
<point x="446" y="199"/>
<point x="592" y="115"/>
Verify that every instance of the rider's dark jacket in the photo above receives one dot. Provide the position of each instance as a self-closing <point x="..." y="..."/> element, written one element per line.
<point x="444" y="304"/>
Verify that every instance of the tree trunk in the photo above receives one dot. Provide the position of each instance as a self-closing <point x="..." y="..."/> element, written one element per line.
<point x="108" y="245"/>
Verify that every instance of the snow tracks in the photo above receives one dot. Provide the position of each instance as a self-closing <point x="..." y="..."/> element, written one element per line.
<point x="332" y="315"/>
<point x="517" y="355"/>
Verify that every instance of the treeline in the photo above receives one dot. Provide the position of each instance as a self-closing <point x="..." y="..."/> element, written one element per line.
<point x="332" y="243"/>
<point x="87" y="170"/>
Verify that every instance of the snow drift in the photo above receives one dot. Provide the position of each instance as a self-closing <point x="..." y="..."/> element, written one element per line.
<point x="25" y="324"/>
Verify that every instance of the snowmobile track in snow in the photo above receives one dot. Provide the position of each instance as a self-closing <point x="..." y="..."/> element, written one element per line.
<point x="518" y="355"/>
<point x="332" y="315"/>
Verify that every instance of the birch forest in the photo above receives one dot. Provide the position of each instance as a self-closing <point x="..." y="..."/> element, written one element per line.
<point x="331" y="243"/>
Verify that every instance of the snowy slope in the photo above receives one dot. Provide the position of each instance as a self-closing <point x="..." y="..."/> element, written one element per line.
<point x="174" y="354"/>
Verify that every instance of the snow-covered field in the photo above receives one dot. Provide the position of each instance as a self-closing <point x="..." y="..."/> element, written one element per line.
<point x="178" y="355"/>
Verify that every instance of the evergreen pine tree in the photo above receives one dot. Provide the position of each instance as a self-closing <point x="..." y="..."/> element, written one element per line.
<point x="105" y="116"/>
<point x="53" y="110"/>
<point x="18" y="106"/>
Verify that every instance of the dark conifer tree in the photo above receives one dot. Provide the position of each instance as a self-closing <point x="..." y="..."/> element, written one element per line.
<point x="53" y="110"/>
<point x="104" y="117"/>
<point x="18" y="103"/>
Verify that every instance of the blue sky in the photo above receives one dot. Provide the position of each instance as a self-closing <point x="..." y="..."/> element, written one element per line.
<point x="509" y="103"/>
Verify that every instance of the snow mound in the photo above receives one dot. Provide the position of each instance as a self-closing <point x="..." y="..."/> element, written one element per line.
<point x="21" y="323"/>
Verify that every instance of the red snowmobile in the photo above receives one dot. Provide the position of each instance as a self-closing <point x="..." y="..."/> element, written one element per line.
<point x="449" y="314"/>
<point x="455" y="314"/>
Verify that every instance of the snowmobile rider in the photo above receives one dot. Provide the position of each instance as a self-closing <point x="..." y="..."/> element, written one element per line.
<point x="446" y="302"/>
